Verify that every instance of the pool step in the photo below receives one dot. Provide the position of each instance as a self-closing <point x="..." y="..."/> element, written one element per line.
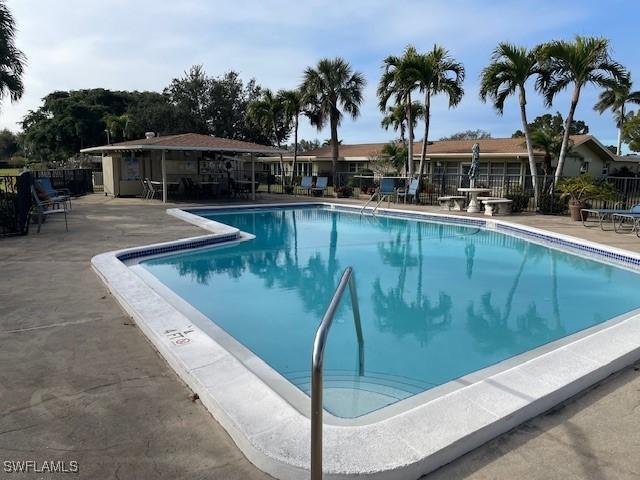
<point x="394" y="386"/>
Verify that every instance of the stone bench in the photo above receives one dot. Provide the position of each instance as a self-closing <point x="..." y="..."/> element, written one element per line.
<point x="497" y="206"/>
<point x="452" y="202"/>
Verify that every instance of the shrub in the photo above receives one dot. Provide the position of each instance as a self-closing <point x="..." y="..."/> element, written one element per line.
<point x="343" y="191"/>
<point x="551" y="204"/>
<point x="520" y="200"/>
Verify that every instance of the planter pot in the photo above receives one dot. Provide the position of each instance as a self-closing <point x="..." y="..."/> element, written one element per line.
<point x="576" y="211"/>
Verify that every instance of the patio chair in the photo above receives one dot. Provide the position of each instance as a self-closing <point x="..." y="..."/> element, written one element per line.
<point x="412" y="191"/>
<point x="306" y="184"/>
<point x="621" y="219"/>
<point x="153" y="191"/>
<point x="321" y="186"/>
<point x="145" y="189"/>
<point x="44" y="208"/>
<point x="604" y="214"/>
<point x="62" y="195"/>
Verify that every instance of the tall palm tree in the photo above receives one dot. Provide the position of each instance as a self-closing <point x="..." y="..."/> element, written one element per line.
<point x="268" y="113"/>
<point x="12" y="60"/>
<point x="396" y="118"/>
<point x="615" y="99"/>
<point x="507" y="74"/>
<point x="437" y="72"/>
<point x="330" y="86"/>
<point x="583" y="61"/>
<point x="294" y="102"/>
<point x="399" y="80"/>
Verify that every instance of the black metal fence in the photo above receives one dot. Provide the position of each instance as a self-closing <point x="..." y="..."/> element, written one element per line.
<point x="78" y="181"/>
<point x="15" y="204"/>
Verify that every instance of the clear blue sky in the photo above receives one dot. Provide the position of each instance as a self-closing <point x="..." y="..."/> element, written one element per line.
<point x="143" y="44"/>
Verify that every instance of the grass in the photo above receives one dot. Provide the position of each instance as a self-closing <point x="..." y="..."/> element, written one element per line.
<point x="9" y="171"/>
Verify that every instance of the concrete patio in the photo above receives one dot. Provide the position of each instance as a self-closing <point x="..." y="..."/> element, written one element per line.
<point x="81" y="383"/>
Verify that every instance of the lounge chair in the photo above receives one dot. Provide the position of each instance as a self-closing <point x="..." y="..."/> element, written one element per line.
<point x="61" y="195"/>
<point x="306" y="184"/>
<point x="621" y="219"/>
<point x="44" y="208"/>
<point x="604" y="214"/>
<point x="412" y="191"/>
<point x="321" y="185"/>
<point x="152" y="190"/>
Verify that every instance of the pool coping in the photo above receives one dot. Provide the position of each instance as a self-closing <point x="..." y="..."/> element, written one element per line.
<point x="275" y="436"/>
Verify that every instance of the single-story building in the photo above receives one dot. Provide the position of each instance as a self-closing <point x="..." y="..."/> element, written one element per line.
<point x="498" y="156"/>
<point x="168" y="159"/>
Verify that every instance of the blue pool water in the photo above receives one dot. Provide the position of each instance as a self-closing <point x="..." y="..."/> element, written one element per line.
<point x="438" y="301"/>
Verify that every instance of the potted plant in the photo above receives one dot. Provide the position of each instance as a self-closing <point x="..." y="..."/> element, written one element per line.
<point x="344" y="191"/>
<point x="582" y="189"/>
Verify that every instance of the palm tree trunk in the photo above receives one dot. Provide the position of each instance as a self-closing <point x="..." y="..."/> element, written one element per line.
<point x="565" y="138"/>
<point x="275" y="134"/>
<point x="410" y="146"/>
<point x="334" y="147"/>
<point x="295" y="148"/>
<point x="532" y="161"/>
<point x="620" y="126"/>
<point x="425" y="140"/>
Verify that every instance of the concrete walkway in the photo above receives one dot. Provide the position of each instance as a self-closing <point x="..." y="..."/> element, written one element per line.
<point x="79" y="382"/>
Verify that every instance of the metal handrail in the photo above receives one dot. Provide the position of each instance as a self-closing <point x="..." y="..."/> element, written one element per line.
<point x="317" y="358"/>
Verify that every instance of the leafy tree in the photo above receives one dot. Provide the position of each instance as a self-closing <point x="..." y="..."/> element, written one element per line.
<point x="555" y="123"/>
<point x="468" y="135"/>
<point x="437" y="73"/>
<point x="12" y="60"/>
<point x="330" y="86"/>
<point x="394" y="152"/>
<point x="399" y="80"/>
<point x="8" y="144"/>
<point x="507" y="74"/>
<point x="306" y="145"/>
<point x="550" y="142"/>
<point x="190" y="95"/>
<point x="631" y="132"/>
<point x="615" y="98"/>
<point x="583" y="61"/>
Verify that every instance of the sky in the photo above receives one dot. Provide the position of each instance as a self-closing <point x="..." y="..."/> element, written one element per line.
<point x="144" y="44"/>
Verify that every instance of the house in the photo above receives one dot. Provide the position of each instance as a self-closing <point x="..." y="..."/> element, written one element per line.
<point x="168" y="159"/>
<point x="498" y="157"/>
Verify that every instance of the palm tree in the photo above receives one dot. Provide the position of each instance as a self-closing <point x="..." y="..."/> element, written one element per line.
<point x="583" y="61"/>
<point x="549" y="142"/>
<point x="12" y="60"/>
<point x="398" y="80"/>
<point x="293" y="101"/>
<point x="507" y="74"/>
<point x="330" y="86"/>
<point x="396" y="118"/>
<point x="615" y="99"/>
<point x="268" y="113"/>
<point x="437" y="72"/>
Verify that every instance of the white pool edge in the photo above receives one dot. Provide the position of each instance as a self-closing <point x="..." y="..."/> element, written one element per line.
<point x="275" y="436"/>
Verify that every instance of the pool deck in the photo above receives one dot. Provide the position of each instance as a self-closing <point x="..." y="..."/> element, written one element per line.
<point x="84" y="384"/>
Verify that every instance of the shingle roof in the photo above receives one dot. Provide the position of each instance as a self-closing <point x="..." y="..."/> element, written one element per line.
<point x="187" y="141"/>
<point x="514" y="146"/>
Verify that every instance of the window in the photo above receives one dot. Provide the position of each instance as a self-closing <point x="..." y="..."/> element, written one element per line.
<point x="497" y="168"/>
<point x="130" y="169"/>
<point x="275" y="169"/>
<point x="513" y="168"/>
<point x="452" y="168"/>
<point x="303" y="169"/>
<point x="605" y="169"/>
<point x="584" y="168"/>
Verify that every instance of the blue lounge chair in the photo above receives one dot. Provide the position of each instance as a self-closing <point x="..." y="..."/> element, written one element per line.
<point x="44" y="208"/>
<point x="412" y="191"/>
<point x="321" y="185"/>
<point x="606" y="214"/>
<point x="59" y="196"/>
<point x="306" y="184"/>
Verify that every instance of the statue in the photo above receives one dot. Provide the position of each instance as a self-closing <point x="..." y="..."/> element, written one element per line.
<point x="474" y="170"/>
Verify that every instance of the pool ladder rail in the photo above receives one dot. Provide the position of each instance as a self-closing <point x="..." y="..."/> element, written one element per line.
<point x="381" y="197"/>
<point x="317" y="357"/>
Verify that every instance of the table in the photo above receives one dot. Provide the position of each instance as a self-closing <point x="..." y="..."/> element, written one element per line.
<point x="474" y="206"/>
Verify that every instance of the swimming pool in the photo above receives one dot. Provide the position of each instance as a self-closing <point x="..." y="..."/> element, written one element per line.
<point x="471" y="327"/>
<point x="438" y="301"/>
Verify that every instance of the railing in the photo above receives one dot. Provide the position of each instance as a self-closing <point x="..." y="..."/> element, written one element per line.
<point x="317" y="359"/>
